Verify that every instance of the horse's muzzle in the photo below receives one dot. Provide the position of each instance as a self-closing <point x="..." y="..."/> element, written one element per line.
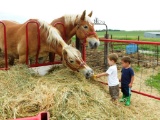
<point x="94" y="44"/>
<point x="89" y="73"/>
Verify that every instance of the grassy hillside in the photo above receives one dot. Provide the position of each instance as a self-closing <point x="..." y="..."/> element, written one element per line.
<point x="129" y="35"/>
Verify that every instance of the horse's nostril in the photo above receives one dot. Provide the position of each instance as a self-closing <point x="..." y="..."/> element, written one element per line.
<point x="91" y="45"/>
<point x="95" y="45"/>
<point x="87" y="74"/>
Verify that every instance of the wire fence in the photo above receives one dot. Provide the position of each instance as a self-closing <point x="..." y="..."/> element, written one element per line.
<point x="145" y="61"/>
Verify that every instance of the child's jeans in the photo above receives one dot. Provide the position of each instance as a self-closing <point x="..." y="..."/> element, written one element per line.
<point x="126" y="90"/>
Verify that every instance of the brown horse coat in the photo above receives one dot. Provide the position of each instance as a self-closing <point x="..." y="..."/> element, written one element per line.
<point x="16" y="40"/>
<point x="79" y="25"/>
<point x="50" y="41"/>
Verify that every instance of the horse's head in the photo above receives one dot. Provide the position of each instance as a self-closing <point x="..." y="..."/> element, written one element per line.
<point x="72" y="59"/>
<point x="85" y="30"/>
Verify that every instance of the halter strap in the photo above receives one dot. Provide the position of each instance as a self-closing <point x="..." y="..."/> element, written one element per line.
<point x="86" y="33"/>
<point x="75" y="68"/>
<point x="64" y="31"/>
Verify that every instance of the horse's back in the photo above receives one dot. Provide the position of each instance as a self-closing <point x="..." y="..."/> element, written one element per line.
<point x="8" y="23"/>
<point x="14" y="33"/>
<point x="11" y="27"/>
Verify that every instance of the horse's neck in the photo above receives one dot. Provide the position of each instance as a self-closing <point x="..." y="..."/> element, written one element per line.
<point x="69" y="28"/>
<point x="59" y="48"/>
<point x="71" y="33"/>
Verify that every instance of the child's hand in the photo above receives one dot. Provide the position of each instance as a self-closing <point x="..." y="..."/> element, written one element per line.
<point x="130" y="85"/>
<point x="96" y="76"/>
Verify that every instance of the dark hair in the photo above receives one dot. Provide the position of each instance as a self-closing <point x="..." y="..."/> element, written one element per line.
<point x="113" y="57"/>
<point x="126" y="59"/>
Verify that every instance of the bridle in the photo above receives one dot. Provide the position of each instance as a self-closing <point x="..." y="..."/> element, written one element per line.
<point x="85" y="33"/>
<point x="82" y="64"/>
<point x="78" y="27"/>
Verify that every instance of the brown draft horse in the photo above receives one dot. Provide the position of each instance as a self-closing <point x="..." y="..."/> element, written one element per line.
<point x="50" y="41"/>
<point x="79" y="25"/>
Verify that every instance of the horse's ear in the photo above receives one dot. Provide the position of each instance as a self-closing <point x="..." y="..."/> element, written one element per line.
<point x="83" y="15"/>
<point x="76" y="20"/>
<point x="90" y="14"/>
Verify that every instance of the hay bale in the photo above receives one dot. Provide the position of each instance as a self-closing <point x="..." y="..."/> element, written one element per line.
<point x="65" y="94"/>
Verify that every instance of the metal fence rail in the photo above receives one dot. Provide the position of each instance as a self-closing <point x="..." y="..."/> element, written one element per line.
<point x="5" y="47"/>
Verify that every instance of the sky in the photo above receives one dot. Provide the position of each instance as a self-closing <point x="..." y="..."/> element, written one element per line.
<point x="117" y="14"/>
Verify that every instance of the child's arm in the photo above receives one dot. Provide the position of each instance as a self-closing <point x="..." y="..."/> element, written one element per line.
<point x="132" y="79"/>
<point x="101" y="74"/>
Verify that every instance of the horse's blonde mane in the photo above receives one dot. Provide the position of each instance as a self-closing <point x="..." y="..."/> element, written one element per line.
<point x="70" y="19"/>
<point x="71" y="51"/>
<point x="53" y="34"/>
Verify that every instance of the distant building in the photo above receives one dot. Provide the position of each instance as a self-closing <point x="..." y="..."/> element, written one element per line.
<point x="152" y="34"/>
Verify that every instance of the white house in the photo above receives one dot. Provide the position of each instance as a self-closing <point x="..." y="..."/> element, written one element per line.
<point x="152" y="34"/>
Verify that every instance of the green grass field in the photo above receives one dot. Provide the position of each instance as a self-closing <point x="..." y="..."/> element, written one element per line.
<point x="154" y="81"/>
<point x="129" y="35"/>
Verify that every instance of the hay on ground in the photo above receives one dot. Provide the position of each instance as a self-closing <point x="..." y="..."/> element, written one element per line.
<point x="66" y="95"/>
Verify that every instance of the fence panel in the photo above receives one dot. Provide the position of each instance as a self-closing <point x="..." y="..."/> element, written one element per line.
<point x="4" y="62"/>
<point x="145" y="61"/>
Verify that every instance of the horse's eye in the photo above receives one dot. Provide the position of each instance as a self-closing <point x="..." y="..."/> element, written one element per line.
<point x="71" y="61"/>
<point x="85" y="26"/>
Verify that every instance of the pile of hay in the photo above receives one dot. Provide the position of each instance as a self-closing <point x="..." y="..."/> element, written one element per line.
<point x="66" y="95"/>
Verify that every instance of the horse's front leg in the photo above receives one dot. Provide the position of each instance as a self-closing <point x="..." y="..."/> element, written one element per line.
<point x="51" y="57"/>
<point x="22" y="59"/>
